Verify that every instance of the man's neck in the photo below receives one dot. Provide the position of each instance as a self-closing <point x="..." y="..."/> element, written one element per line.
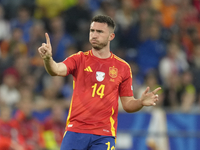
<point x="103" y="53"/>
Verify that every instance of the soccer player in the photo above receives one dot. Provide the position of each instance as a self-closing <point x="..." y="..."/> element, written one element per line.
<point x="100" y="77"/>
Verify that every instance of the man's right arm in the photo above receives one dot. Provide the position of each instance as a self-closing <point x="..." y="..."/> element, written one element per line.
<point x="53" y="68"/>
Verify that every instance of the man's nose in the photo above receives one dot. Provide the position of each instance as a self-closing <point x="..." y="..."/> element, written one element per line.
<point x="94" y="35"/>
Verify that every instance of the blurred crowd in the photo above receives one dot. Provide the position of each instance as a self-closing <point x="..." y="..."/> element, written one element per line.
<point x="160" y="39"/>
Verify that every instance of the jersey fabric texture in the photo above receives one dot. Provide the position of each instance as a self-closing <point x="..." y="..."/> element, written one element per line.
<point x="98" y="83"/>
<point x="83" y="141"/>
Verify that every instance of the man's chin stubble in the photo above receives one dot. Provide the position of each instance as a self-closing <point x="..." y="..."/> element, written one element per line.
<point x="98" y="47"/>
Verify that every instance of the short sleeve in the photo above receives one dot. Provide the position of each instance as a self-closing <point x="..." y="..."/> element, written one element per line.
<point x="72" y="63"/>
<point x="125" y="88"/>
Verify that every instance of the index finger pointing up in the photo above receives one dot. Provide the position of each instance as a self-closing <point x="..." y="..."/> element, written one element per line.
<point x="47" y="39"/>
<point x="156" y="90"/>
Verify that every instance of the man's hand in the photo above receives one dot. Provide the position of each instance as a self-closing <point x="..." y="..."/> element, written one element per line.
<point x="45" y="50"/>
<point x="150" y="98"/>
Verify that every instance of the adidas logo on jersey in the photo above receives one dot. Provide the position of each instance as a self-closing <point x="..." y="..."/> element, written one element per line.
<point x="88" y="69"/>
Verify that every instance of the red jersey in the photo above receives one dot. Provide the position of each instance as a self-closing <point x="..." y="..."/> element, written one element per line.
<point x="98" y="83"/>
<point x="31" y="130"/>
<point x="56" y="129"/>
<point x="9" y="130"/>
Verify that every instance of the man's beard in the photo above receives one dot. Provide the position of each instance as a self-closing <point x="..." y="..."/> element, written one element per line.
<point x="99" y="46"/>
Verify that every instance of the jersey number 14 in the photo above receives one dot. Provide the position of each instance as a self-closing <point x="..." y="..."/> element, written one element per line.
<point x="99" y="91"/>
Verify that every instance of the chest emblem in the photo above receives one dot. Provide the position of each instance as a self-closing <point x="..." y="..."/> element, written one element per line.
<point x="113" y="72"/>
<point x="100" y="76"/>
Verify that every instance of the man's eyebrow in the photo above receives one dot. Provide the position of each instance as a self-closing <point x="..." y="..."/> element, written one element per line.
<point x="96" y="30"/>
<point x="99" y="30"/>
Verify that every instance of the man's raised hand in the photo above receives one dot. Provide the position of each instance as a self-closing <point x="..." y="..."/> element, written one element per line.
<point x="45" y="50"/>
<point x="150" y="98"/>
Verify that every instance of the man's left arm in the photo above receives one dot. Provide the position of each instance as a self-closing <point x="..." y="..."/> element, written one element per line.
<point x="130" y="104"/>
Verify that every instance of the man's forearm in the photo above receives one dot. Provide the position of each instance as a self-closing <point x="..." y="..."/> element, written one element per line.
<point x="50" y="66"/>
<point x="133" y="105"/>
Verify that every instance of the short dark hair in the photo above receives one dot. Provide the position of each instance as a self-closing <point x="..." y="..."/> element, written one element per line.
<point x="104" y="19"/>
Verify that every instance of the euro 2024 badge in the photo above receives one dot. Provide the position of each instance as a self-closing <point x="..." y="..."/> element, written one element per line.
<point x="100" y="76"/>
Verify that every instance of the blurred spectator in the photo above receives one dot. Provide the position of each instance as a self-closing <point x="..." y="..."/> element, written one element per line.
<point x="188" y="94"/>
<point x="189" y="26"/>
<point x="156" y="4"/>
<point x="60" y="39"/>
<point x="56" y="83"/>
<point x="157" y="138"/>
<point x="126" y="18"/>
<point x="47" y="9"/>
<point x="77" y="21"/>
<point x="23" y="21"/>
<point x="106" y="7"/>
<point x="67" y="89"/>
<point x="137" y="80"/>
<point x="166" y="34"/>
<point x="30" y="83"/>
<point x="190" y="37"/>
<point x="180" y="94"/>
<point x="5" y="32"/>
<point x="97" y="5"/>
<point x="195" y="69"/>
<point x="196" y="4"/>
<point x="151" y="50"/>
<point x="14" y="47"/>
<point x="138" y="31"/>
<point x="51" y="93"/>
<point x="37" y="37"/>
<point x="30" y="128"/>
<point x="138" y="3"/>
<point x="35" y="64"/>
<point x="9" y="94"/>
<point x="22" y="65"/>
<point x="11" y="7"/>
<point x="168" y="10"/>
<point x="172" y="99"/>
<point x="145" y="17"/>
<point x="54" y="127"/>
<point x="26" y="92"/>
<point x="187" y="15"/>
<point x="10" y="137"/>
<point x="173" y="63"/>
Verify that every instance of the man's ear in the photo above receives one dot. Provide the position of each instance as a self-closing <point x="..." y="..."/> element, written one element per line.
<point x="111" y="37"/>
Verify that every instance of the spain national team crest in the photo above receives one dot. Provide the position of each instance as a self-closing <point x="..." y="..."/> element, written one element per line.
<point x="113" y="72"/>
<point x="100" y="76"/>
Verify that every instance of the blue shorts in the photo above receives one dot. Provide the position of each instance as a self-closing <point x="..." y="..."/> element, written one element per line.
<point x="82" y="141"/>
